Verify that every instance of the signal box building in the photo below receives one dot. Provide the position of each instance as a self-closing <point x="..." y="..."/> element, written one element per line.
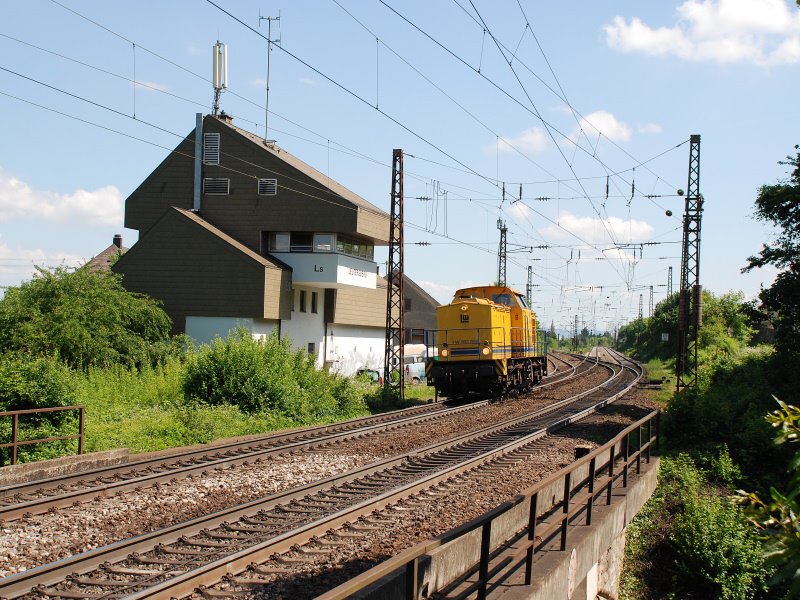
<point x="236" y="232"/>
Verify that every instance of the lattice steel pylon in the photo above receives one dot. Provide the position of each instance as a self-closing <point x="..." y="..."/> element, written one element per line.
<point x="650" y="306"/>
<point x="691" y="295"/>
<point x="393" y="356"/>
<point x="529" y="287"/>
<point x="669" y="281"/>
<point x="502" y="253"/>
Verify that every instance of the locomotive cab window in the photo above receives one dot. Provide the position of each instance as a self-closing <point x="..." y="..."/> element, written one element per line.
<point x="521" y="300"/>
<point x="504" y="299"/>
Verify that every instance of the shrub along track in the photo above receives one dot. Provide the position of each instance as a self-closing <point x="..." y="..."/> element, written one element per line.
<point x="274" y="516"/>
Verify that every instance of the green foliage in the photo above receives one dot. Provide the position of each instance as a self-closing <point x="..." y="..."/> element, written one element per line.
<point x="726" y="328"/>
<point x="28" y="383"/>
<point x="727" y="408"/>
<point x="86" y="318"/>
<point x="266" y="376"/>
<point x="690" y="539"/>
<point x="778" y="204"/>
<point x="718" y="556"/>
<point x="778" y="518"/>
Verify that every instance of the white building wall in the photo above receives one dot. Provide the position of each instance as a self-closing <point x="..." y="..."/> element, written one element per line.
<point x="203" y="330"/>
<point x="352" y="347"/>
<point x="346" y="348"/>
<point x="306" y="328"/>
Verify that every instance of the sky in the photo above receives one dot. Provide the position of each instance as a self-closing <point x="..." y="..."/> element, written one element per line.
<point x="581" y="111"/>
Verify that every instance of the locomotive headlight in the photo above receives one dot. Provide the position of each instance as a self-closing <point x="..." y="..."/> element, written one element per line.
<point x="486" y="351"/>
<point x="444" y="352"/>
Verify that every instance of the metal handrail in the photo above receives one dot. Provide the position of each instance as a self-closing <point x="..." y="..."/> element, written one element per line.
<point x="16" y="443"/>
<point x="579" y="497"/>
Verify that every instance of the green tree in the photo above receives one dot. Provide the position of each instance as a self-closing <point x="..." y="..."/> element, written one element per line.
<point x="778" y="517"/>
<point x="85" y="318"/>
<point x="779" y="204"/>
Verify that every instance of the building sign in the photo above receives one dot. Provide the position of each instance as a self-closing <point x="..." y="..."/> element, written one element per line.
<point x="329" y="269"/>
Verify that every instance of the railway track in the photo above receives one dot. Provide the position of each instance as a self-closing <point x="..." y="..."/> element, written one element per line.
<point x="175" y="560"/>
<point x="41" y="496"/>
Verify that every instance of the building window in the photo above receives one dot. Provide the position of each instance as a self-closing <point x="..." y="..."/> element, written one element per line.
<point x="267" y="187"/>
<point x="302" y="242"/>
<point x="314" y="302"/>
<point x="211" y="148"/>
<point x="279" y="242"/>
<point x="323" y="242"/>
<point x="355" y="247"/>
<point x="408" y="303"/>
<point x="312" y="348"/>
<point x="302" y="301"/>
<point x="216" y="186"/>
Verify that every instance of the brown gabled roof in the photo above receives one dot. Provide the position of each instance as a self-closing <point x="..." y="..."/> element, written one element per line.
<point x="266" y="261"/>
<point x="106" y="258"/>
<point x="307" y="170"/>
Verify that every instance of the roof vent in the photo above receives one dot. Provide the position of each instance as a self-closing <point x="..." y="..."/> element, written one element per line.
<point x="211" y="148"/>
<point x="218" y="186"/>
<point x="267" y="187"/>
<point x="118" y="240"/>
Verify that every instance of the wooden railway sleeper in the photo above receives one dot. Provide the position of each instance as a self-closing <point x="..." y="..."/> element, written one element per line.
<point x="69" y="594"/>
<point x="164" y="549"/>
<point x="93" y="582"/>
<point x="262" y="530"/>
<point x="212" y="593"/>
<point x="262" y="570"/>
<point x="202" y="543"/>
<point x="131" y="571"/>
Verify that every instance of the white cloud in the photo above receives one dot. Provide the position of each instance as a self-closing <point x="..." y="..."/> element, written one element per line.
<point x="195" y="50"/>
<point x="762" y="32"/>
<point x="606" y="123"/>
<point x="442" y="292"/>
<point x="532" y="140"/>
<point x="308" y="81"/>
<point x="593" y="230"/>
<point x="259" y="82"/>
<point x="650" y="128"/>
<point x="152" y="86"/>
<point x="18" y="200"/>
<point x="17" y="264"/>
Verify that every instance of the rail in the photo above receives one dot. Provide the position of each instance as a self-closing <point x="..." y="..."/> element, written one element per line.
<point x="16" y="443"/>
<point x="579" y="496"/>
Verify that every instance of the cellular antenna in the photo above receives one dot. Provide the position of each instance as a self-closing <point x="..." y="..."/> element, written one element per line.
<point x="219" y="67"/>
<point x="270" y="41"/>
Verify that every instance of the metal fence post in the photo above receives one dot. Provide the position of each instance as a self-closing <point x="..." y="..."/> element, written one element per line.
<point x="625" y="460"/>
<point x="590" y="502"/>
<point x="80" y="430"/>
<point x="483" y="572"/>
<point x="610" y="474"/>
<point x="639" y="451"/>
<point x="412" y="574"/>
<point x="565" y="522"/>
<point x="531" y="538"/>
<point x="649" y="438"/>
<point x="14" y="428"/>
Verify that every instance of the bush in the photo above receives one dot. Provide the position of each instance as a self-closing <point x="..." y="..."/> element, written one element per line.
<point x="86" y="318"/>
<point x="267" y="375"/>
<point x="29" y="383"/>
<point x="718" y="554"/>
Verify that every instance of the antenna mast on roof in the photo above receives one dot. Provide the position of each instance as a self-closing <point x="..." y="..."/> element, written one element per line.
<point x="219" y="64"/>
<point x="270" y="41"/>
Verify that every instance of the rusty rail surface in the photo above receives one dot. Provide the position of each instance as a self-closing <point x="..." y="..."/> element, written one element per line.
<point x="16" y="443"/>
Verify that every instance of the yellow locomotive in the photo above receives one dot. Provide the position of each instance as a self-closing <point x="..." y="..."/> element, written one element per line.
<point x="486" y="343"/>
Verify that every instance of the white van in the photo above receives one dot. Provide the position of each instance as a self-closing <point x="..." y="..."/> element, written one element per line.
<point x="414" y="363"/>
